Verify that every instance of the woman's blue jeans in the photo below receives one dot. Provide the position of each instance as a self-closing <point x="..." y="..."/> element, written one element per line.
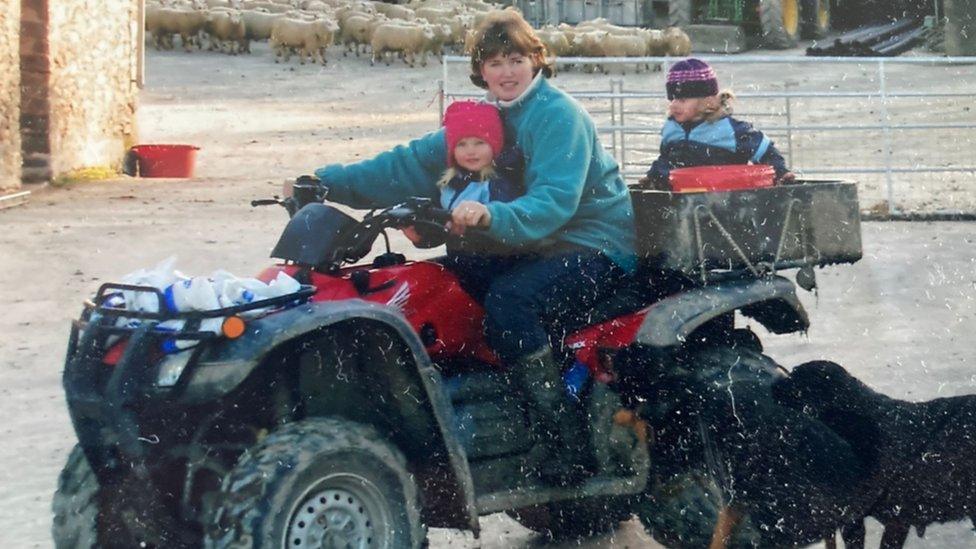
<point x="543" y="297"/>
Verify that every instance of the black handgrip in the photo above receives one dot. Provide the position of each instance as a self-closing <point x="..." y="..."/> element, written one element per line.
<point x="308" y="189"/>
<point x="265" y="202"/>
<point x="439" y="215"/>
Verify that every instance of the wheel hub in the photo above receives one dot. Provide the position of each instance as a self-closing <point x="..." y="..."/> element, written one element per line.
<point x="332" y="519"/>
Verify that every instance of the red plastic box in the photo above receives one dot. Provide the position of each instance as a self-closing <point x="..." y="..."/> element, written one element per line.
<point x="730" y="177"/>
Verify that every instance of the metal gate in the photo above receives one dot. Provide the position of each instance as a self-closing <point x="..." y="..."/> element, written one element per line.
<point x="903" y="128"/>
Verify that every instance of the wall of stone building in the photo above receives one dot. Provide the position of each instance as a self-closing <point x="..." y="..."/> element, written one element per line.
<point x="92" y="89"/>
<point x="10" y="158"/>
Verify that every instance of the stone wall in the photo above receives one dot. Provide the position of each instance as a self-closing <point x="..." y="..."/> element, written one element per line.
<point x="10" y="158"/>
<point x="92" y="89"/>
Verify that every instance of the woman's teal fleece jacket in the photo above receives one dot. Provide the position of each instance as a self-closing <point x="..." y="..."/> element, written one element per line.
<point x="574" y="193"/>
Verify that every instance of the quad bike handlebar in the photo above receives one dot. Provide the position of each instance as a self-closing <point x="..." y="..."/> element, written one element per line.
<point x="322" y="235"/>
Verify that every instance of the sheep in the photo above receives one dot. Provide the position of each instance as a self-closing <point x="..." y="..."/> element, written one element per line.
<point x="314" y="5"/>
<point x="408" y="40"/>
<point x="308" y="38"/>
<point x="555" y="41"/>
<point x="163" y="23"/>
<point x="441" y="36"/>
<point x="235" y="4"/>
<point x="303" y="15"/>
<point x="358" y="31"/>
<point x="679" y="44"/>
<point x="258" y="24"/>
<point x="395" y="11"/>
<point x="270" y="6"/>
<point x="605" y="44"/>
<point x="227" y="31"/>
<point x="435" y="15"/>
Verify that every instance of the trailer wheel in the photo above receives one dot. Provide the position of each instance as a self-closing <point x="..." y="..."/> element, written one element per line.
<point x="321" y="482"/>
<point x="780" y="23"/>
<point x="680" y="13"/>
<point x="815" y="18"/>
<point x="75" y="504"/>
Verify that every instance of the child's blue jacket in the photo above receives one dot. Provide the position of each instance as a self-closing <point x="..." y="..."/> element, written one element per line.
<point x="722" y="141"/>
<point x="574" y="195"/>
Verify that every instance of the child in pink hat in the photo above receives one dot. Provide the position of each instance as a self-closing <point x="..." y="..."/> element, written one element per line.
<point x="480" y="168"/>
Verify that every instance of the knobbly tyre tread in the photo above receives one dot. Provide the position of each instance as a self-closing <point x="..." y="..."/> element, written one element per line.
<point x="774" y="35"/>
<point x="75" y="504"/>
<point x="245" y="510"/>
<point x="679" y="13"/>
<point x="681" y="514"/>
<point x="680" y="511"/>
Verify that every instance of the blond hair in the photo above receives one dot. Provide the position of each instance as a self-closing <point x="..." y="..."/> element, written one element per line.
<point x="717" y="106"/>
<point x="484" y="174"/>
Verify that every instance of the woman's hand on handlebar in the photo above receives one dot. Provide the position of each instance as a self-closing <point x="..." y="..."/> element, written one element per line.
<point x="469" y="214"/>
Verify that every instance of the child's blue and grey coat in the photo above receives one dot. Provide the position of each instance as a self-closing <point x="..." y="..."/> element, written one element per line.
<point x="722" y="141"/>
<point x="574" y="195"/>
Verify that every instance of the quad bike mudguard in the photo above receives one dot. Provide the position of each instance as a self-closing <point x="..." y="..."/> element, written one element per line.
<point x="219" y="372"/>
<point x="770" y="301"/>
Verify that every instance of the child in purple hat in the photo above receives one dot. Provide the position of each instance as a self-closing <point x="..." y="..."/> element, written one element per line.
<point x="700" y="132"/>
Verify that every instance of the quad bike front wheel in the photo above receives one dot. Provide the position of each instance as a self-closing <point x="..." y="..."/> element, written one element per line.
<point x="75" y="504"/>
<point x="681" y="504"/>
<point x="320" y="482"/>
<point x="125" y="514"/>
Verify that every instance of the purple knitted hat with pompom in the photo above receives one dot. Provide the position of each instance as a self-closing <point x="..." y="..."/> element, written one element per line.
<point x="691" y="78"/>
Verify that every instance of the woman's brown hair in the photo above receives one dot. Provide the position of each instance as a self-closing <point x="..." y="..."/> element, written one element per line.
<point x="506" y="32"/>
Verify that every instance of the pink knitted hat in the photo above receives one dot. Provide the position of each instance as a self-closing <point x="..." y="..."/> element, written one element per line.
<point x="473" y="119"/>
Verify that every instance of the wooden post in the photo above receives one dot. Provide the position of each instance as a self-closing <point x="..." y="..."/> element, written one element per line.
<point x="960" y="28"/>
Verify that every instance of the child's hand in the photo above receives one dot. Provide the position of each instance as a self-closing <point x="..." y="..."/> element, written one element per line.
<point x="786" y="178"/>
<point x="412" y="235"/>
<point x="469" y="214"/>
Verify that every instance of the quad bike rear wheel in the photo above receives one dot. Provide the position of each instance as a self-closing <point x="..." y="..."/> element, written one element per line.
<point x="321" y="482"/>
<point x="681" y="513"/>
<point x="75" y="504"/>
<point x="680" y="507"/>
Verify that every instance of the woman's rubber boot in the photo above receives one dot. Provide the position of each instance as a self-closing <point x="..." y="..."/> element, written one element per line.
<point x="555" y="424"/>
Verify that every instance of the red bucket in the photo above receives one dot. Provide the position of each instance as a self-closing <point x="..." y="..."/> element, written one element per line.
<point x="730" y="177"/>
<point x="166" y="160"/>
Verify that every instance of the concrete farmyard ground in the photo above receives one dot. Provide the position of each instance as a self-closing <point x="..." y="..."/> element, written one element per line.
<point x="901" y="319"/>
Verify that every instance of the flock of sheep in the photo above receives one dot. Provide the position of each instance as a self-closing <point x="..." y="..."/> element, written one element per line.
<point x="412" y="31"/>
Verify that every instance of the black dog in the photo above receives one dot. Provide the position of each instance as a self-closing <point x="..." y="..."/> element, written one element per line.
<point x="797" y="480"/>
<point x="921" y="457"/>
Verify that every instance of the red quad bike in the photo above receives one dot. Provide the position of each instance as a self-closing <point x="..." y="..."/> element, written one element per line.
<point x="367" y="407"/>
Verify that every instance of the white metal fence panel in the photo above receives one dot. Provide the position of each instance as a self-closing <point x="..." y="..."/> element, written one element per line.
<point x="904" y="128"/>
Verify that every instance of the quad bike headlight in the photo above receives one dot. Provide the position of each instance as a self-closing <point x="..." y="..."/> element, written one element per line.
<point x="171" y="367"/>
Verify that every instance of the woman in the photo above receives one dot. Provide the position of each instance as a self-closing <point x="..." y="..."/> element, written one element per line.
<point x="574" y="222"/>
